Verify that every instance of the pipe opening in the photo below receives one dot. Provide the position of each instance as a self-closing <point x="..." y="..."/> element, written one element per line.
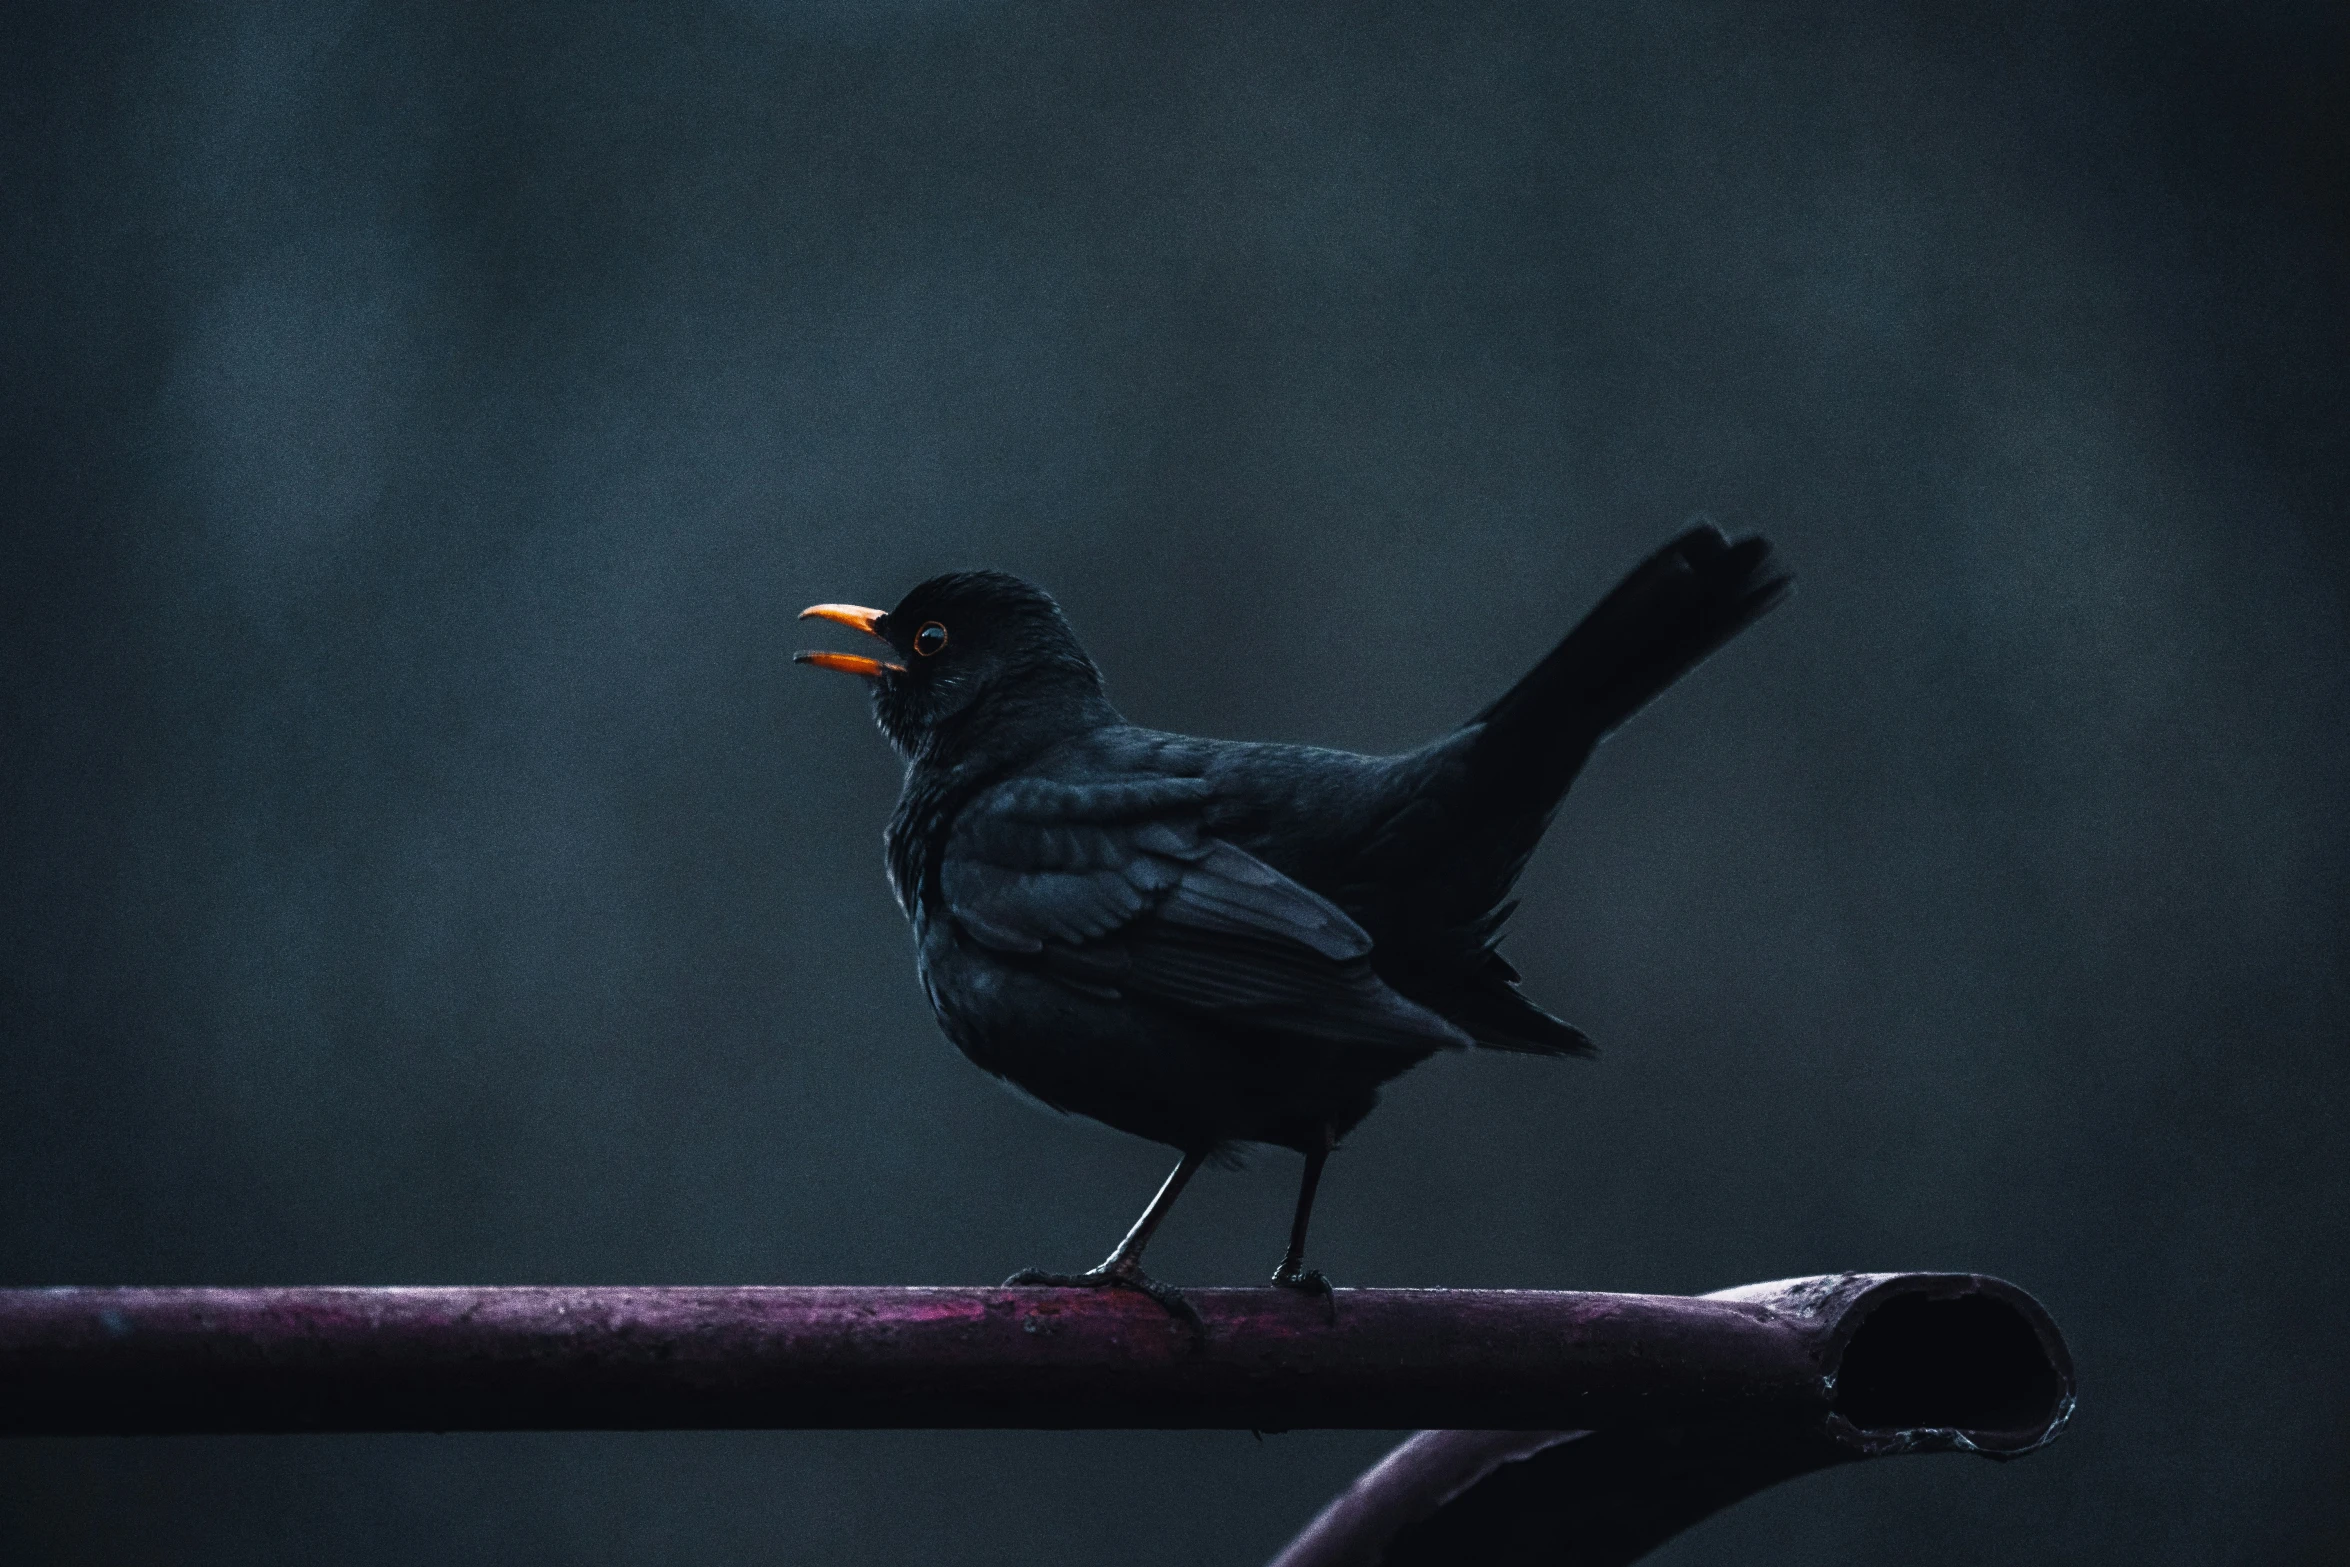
<point x="1969" y="1363"/>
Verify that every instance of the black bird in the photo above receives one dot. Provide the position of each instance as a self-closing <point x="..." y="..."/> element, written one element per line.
<point x="1212" y="943"/>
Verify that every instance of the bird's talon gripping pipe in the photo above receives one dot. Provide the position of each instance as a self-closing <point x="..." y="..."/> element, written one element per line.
<point x="1120" y="1276"/>
<point x="1171" y="1300"/>
<point x="1310" y="1281"/>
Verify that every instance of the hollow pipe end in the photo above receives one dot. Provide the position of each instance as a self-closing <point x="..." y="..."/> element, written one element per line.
<point x="1931" y="1362"/>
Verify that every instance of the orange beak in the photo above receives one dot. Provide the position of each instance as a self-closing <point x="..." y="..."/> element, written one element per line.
<point x="865" y="620"/>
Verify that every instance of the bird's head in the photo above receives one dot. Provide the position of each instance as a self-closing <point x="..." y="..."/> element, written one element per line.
<point x="976" y="660"/>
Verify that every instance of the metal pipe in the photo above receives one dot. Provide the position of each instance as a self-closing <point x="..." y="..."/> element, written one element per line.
<point x="1908" y="1363"/>
<point x="97" y="1361"/>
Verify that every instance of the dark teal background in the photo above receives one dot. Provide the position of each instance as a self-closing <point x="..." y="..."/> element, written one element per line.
<point x="419" y="862"/>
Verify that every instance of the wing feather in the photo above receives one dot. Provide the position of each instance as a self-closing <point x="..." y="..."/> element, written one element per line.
<point x="1115" y="884"/>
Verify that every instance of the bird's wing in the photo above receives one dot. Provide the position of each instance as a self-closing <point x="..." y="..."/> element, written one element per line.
<point x="1114" y="887"/>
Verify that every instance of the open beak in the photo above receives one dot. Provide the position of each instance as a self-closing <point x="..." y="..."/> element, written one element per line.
<point x="865" y="620"/>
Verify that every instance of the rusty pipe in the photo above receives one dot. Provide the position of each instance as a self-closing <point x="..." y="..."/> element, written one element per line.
<point x="89" y="1361"/>
<point x="540" y="1358"/>
<point x="1907" y="1363"/>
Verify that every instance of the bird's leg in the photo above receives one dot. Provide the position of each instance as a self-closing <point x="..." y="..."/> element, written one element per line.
<point x="1293" y="1274"/>
<point x="1126" y="1261"/>
<point x="1122" y="1268"/>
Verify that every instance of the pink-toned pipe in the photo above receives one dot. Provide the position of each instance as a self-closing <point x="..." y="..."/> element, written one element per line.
<point x="1911" y="1362"/>
<point x="94" y="1361"/>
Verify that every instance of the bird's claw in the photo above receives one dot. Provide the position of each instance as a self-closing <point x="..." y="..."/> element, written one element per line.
<point x="1309" y="1281"/>
<point x="1129" y="1277"/>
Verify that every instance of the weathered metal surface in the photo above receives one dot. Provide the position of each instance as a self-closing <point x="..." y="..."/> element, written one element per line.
<point x="1588" y="1428"/>
<point x="434" y="1359"/>
<point x="1911" y="1363"/>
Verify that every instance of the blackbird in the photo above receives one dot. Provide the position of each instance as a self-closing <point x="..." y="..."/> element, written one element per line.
<point x="1215" y="943"/>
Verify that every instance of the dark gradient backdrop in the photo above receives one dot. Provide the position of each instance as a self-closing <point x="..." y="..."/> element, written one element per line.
<point x="421" y="863"/>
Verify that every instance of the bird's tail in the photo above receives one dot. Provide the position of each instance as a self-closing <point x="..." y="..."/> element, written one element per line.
<point x="1676" y="607"/>
<point x="1506" y="770"/>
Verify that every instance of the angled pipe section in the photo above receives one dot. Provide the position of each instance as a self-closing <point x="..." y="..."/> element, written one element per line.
<point x="1902" y="1363"/>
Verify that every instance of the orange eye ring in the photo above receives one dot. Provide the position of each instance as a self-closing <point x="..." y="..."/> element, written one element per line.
<point x="930" y="639"/>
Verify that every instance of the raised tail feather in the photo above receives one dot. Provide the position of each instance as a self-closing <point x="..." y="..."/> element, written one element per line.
<point x="1661" y="621"/>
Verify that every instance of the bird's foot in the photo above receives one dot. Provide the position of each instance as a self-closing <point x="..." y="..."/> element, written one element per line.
<point x="1308" y="1281"/>
<point x="1120" y="1276"/>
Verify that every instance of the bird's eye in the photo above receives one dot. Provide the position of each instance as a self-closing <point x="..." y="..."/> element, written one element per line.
<point x="930" y="638"/>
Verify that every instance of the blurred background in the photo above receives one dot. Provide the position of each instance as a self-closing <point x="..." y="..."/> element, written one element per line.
<point x="420" y="864"/>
